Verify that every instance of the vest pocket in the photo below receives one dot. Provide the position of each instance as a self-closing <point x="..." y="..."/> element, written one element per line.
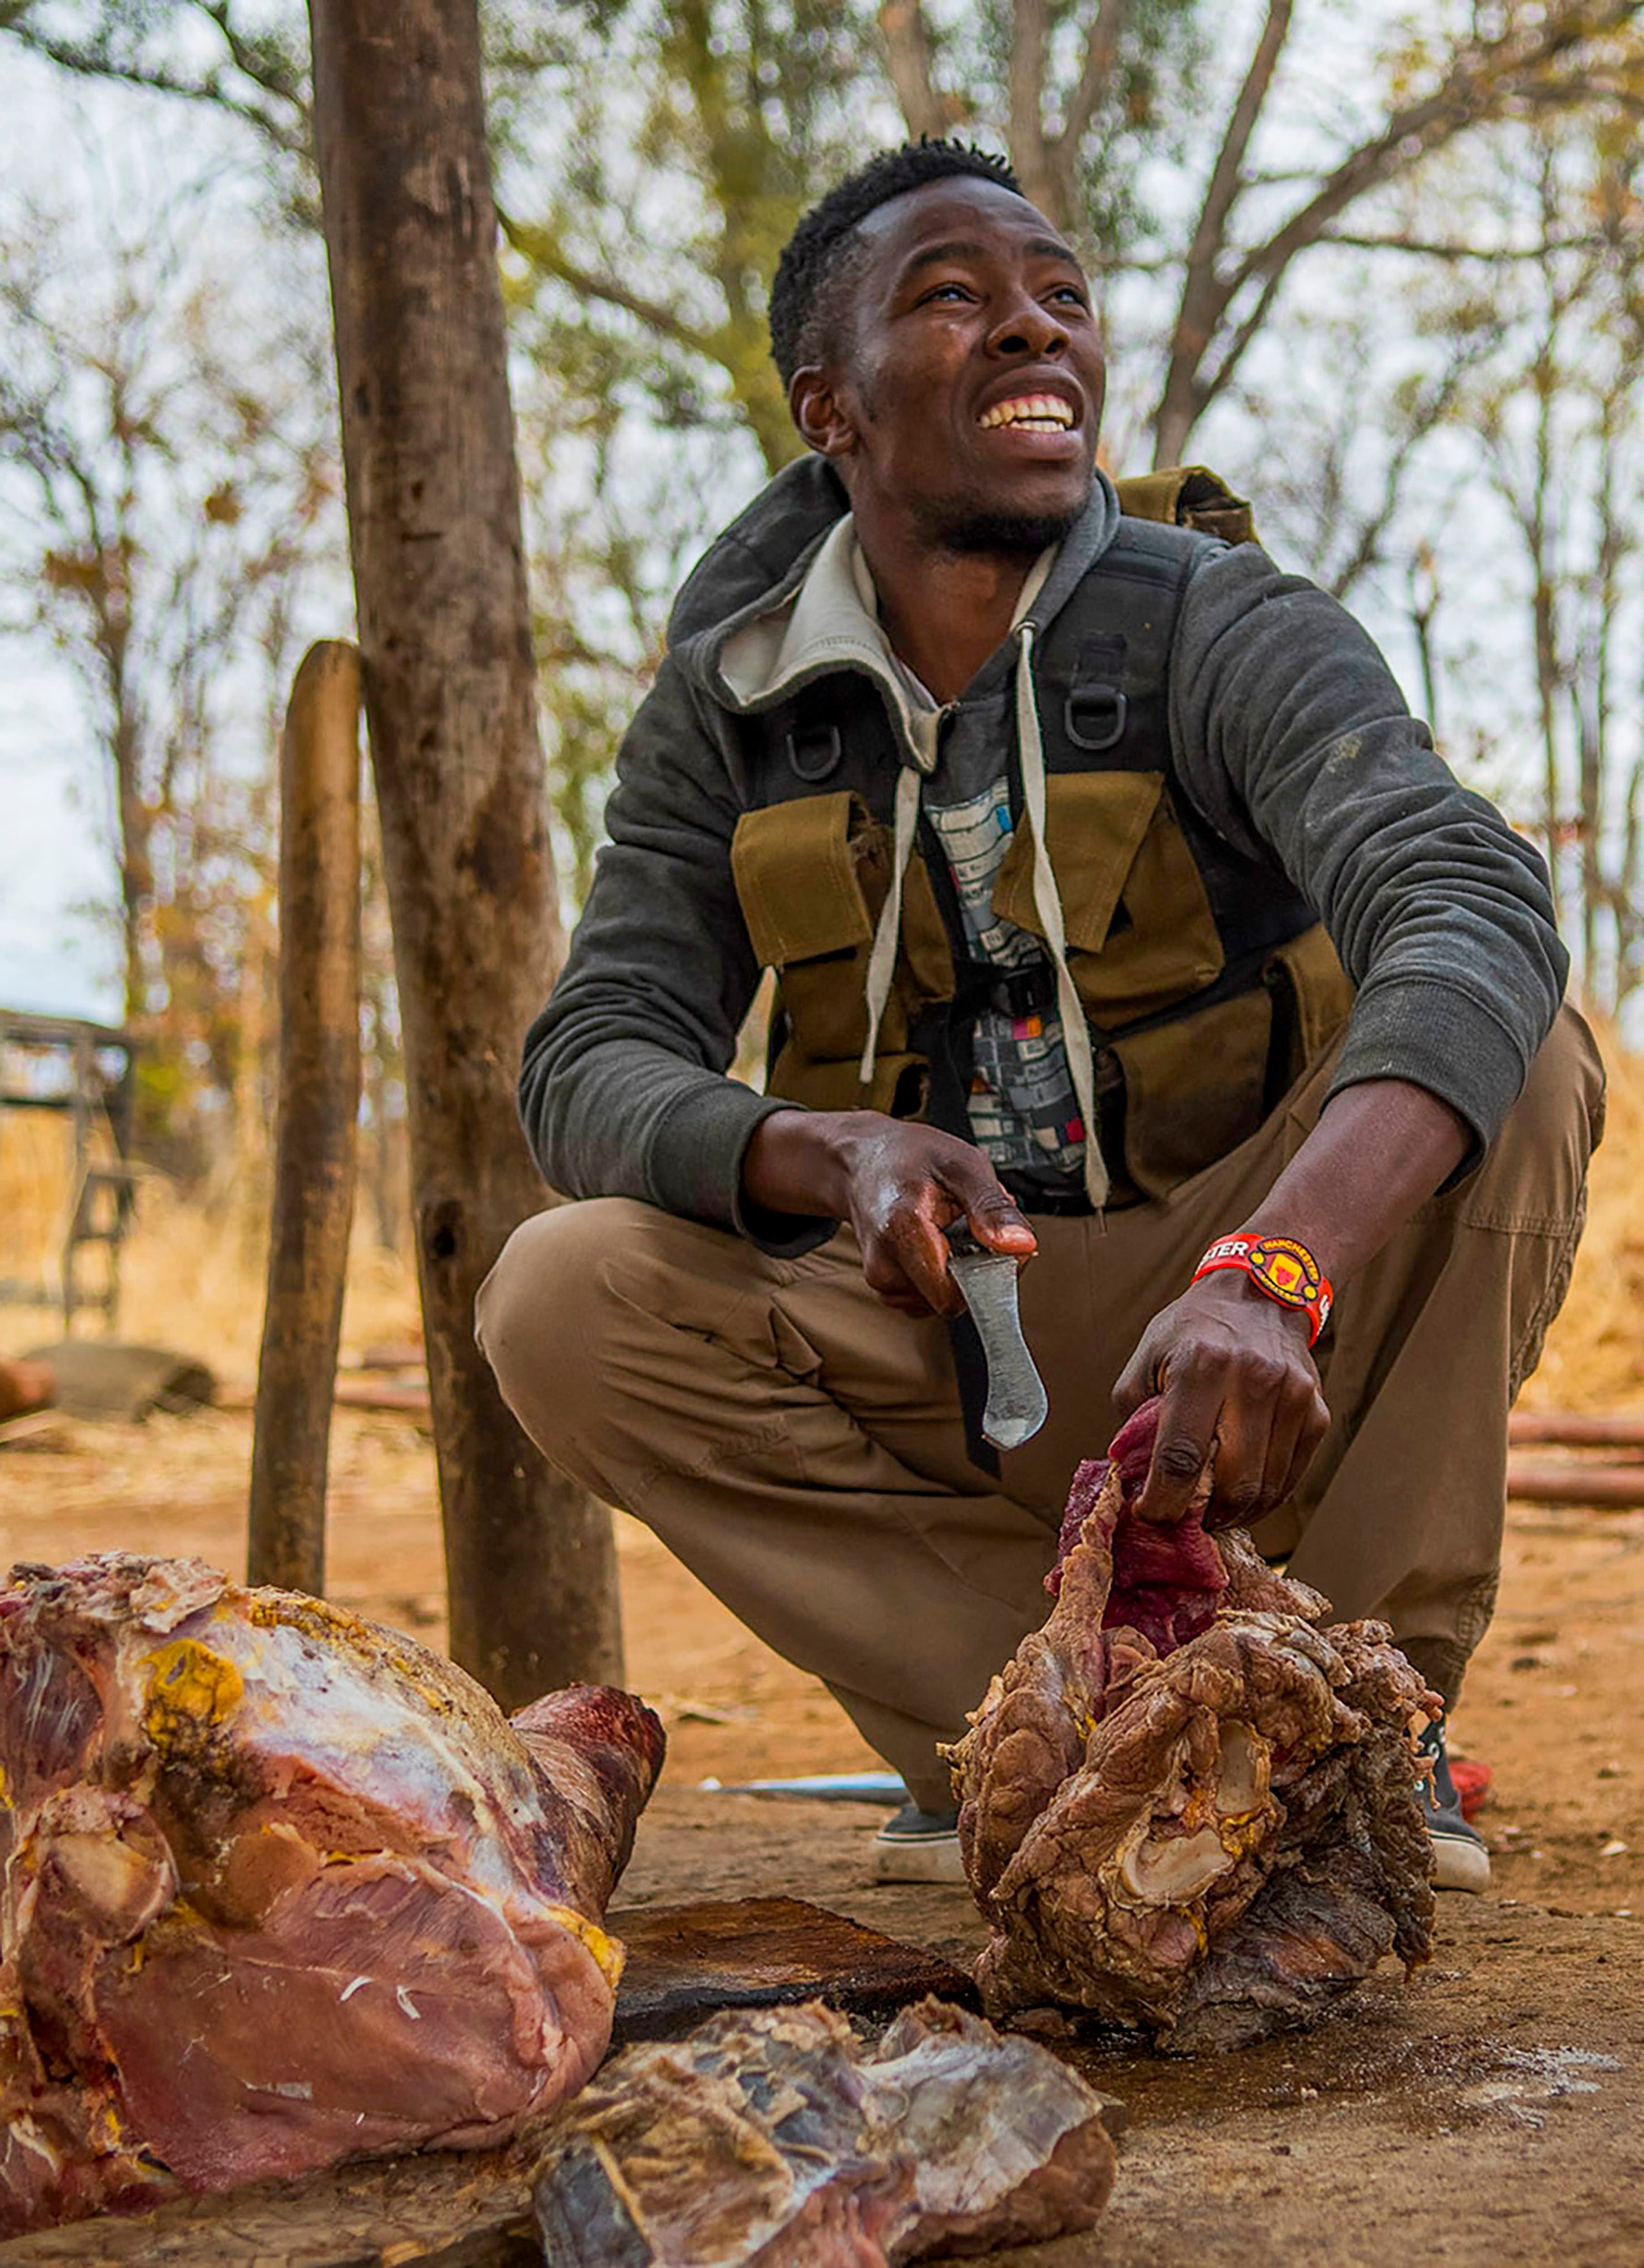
<point x="796" y="879"/>
<point x="1194" y="1090"/>
<point x="811" y="876"/>
<point x="1141" y="932"/>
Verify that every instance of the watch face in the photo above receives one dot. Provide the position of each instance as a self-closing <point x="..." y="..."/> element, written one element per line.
<point x="1286" y="1270"/>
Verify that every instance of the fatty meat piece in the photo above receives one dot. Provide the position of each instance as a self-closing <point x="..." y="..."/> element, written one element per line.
<point x="281" y="1888"/>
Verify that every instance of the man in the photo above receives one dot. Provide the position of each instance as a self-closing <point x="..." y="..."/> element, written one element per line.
<point x="1037" y="810"/>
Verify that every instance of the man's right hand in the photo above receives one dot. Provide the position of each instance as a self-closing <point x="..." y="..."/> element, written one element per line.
<point x="899" y="1185"/>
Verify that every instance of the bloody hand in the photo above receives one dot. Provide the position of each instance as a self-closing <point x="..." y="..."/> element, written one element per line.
<point x="1239" y="1383"/>
<point x="899" y="1185"/>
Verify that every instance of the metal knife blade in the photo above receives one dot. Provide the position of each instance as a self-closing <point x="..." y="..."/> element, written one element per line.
<point x="1017" y="1403"/>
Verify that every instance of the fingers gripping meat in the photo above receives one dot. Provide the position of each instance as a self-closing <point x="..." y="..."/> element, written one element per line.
<point x="1185" y="1804"/>
<point x="281" y="1887"/>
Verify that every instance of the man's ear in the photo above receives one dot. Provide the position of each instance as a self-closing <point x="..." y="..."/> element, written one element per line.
<point x="815" y="404"/>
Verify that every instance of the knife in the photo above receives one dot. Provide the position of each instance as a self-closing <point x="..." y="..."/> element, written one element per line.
<point x="1017" y="1403"/>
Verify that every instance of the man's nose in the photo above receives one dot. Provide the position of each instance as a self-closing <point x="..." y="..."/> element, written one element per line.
<point x="1027" y="328"/>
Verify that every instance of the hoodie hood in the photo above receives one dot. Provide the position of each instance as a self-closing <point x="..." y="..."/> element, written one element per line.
<point x="755" y="559"/>
<point x="758" y="566"/>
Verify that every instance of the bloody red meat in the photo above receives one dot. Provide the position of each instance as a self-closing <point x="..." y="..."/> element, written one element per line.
<point x="1188" y="1804"/>
<point x="281" y="1887"/>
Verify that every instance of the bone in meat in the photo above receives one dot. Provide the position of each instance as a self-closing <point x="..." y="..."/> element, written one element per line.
<point x="775" y="2140"/>
<point x="281" y="1887"/>
<point x="1186" y="1804"/>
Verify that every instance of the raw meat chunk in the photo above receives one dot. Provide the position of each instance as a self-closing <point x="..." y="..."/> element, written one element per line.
<point x="281" y="1887"/>
<point x="775" y="2140"/>
<point x="1186" y="1804"/>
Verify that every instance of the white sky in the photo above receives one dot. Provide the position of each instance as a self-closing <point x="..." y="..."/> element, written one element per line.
<point x="101" y="157"/>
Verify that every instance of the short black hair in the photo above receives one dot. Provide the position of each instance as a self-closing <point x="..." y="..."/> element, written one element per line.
<point x="812" y="260"/>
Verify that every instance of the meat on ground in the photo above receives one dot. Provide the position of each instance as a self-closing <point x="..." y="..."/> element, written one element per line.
<point x="1188" y="1804"/>
<point x="281" y="1887"/>
<point x="773" y="2139"/>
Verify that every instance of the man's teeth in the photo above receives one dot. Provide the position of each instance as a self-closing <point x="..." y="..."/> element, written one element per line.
<point x="1034" y="413"/>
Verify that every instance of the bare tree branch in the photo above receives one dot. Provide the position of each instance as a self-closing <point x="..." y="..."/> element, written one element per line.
<point x="1096" y="76"/>
<point x="281" y="118"/>
<point x="1479" y="83"/>
<point x="87" y="63"/>
<point x="1203" y="300"/>
<point x="1425" y="416"/>
<point x="907" y="54"/>
<point x="1059" y="154"/>
<point x="539" y="247"/>
<point x="1206" y="389"/>
<point x="1423" y="247"/>
<point x="1030" y="151"/>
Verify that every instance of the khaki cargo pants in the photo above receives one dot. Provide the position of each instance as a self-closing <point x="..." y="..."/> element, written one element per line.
<point x="801" y="1447"/>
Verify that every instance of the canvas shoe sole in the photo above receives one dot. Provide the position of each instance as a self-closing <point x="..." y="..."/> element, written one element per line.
<point x="1460" y="1861"/>
<point x="917" y="1846"/>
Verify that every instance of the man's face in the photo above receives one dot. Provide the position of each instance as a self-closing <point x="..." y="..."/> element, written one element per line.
<point x="965" y="396"/>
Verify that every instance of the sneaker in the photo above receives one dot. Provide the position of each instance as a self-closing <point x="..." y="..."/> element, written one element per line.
<point x="916" y="1846"/>
<point x="1460" y="1860"/>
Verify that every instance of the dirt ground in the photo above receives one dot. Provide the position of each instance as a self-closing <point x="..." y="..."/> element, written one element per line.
<point x="1492" y="2112"/>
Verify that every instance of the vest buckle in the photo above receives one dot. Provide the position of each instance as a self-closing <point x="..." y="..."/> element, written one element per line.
<point x="1094" y="717"/>
<point x="815" y="752"/>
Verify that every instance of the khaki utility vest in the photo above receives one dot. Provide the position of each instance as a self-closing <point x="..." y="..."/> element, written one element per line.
<point x="1206" y="978"/>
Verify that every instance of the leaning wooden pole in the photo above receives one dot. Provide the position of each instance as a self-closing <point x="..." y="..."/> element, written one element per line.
<point x="444" y="631"/>
<point x="315" y="1133"/>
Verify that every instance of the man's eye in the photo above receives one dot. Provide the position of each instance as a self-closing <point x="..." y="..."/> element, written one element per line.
<point x="947" y="291"/>
<point x="1073" y="292"/>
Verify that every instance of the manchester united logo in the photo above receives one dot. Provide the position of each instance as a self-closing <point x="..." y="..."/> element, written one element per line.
<point x="1286" y="1270"/>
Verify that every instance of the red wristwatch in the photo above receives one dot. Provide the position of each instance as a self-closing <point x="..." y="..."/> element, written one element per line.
<point x="1280" y="1267"/>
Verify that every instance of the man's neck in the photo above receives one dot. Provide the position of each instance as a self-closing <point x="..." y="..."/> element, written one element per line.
<point x="943" y="612"/>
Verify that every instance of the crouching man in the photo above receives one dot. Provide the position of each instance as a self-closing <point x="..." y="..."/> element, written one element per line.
<point x="1118" y="906"/>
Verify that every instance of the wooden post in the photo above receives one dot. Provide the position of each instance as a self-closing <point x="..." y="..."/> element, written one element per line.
<point x="444" y="633"/>
<point x="314" y="1138"/>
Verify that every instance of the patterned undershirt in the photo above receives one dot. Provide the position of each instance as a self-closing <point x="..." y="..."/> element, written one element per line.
<point x="1023" y="1112"/>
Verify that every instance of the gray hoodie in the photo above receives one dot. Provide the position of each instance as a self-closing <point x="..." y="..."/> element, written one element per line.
<point x="1287" y="732"/>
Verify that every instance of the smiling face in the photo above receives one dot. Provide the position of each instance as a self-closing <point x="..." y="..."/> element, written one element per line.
<point x="962" y="398"/>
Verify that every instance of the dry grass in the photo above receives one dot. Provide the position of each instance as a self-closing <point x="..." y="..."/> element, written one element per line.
<point x="193" y="1274"/>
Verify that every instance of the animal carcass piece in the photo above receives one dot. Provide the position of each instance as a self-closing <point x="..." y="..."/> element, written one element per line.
<point x="1185" y="1805"/>
<point x="776" y="2139"/>
<point x="280" y="1887"/>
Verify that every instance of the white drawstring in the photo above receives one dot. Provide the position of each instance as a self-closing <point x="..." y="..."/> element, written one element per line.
<point x="882" y="960"/>
<point x="1047" y="904"/>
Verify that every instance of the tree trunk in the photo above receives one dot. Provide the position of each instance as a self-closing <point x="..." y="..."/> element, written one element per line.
<point x="433" y="519"/>
<point x="315" y="1138"/>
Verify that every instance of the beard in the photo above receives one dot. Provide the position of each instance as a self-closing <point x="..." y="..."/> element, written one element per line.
<point x="960" y="526"/>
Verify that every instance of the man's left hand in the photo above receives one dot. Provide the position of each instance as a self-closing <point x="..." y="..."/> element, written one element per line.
<point x="1238" y="1385"/>
<point x="1234" y="1367"/>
